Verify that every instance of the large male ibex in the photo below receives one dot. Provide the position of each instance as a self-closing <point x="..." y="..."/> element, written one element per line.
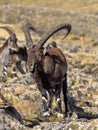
<point x="11" y="53"/>
<point x="49" y="70"/>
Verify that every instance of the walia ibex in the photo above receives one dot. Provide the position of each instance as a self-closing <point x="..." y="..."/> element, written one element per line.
<point x="49" y="69"/>
<point x="11" y="53"/>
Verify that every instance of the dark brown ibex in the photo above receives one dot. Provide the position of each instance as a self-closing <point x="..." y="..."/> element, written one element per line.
<point x="50" y="69"/>
<point x="11" y="53"/>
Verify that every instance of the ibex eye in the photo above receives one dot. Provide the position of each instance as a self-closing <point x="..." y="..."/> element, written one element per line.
<point x="40" y="53"/>
<point x="10" y="40"/>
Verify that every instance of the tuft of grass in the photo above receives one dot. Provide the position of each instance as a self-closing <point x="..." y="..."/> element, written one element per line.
<point x="82" y="34"/>
<point x="92" y="40"/>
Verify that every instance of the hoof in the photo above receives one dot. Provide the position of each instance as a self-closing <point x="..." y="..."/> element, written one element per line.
<point x="60" y="115"/>
<point x="68" y="114"/>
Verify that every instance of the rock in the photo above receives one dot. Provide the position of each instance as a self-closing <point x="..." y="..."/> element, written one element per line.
<point x="95" y="43"/>
<point x="6" y="120"/>
<point x="74" y="48"/>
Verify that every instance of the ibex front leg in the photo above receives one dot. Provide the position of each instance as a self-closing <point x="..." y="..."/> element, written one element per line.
<point x="51" y="96"/>
<point x="58" y="100"/>
<point x="44" y="100"/>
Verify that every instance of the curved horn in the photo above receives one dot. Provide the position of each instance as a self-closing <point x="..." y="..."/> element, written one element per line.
<point x="26" y="28"/>
<point x="51" y="32"/>
<point x="8" y="29"/>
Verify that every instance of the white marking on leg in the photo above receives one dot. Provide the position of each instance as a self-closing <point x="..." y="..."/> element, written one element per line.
<point x="58" y="99"/>
<point x="4" y="68"/>
<point x="47" y="113"/>
<point x="44" y="99"/>
<point x="5" y="73"/>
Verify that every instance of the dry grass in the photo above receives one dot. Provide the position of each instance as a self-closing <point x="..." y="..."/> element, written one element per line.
<point x="74" y="5"/>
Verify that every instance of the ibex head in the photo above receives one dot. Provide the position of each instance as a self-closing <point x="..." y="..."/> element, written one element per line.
<point x="31" y="48"/>
<point x="34" y="58"/>
<point x="35" y="53"/>
<point x="12" y="40"/>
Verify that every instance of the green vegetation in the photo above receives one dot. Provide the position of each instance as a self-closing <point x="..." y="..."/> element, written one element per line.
<point x="82" y="34"/>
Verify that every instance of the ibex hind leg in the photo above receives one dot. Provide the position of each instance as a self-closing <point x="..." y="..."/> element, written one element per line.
<point x="51" y="96"/>
<point x="58" y="100"/>
<point x="44" y="101"/>
<point x="67" y="108"/>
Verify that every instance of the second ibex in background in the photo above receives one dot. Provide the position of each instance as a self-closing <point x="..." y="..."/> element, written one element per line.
<point x="49" y="69"/>
<point x="12" y="54"/>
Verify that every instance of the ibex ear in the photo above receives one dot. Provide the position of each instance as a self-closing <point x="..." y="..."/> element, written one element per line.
<point x="56" y="53"/>
<point x="51" y="52"/>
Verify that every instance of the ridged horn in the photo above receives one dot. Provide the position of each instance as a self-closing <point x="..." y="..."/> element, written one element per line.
<point x="26" y="29"/>
<point x="8" y="29"/>
<point x="52" y="31"/>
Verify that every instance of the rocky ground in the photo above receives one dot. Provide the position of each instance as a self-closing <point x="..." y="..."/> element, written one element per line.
<point x="23" y="99"/>
<point x="19" y="94"/>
